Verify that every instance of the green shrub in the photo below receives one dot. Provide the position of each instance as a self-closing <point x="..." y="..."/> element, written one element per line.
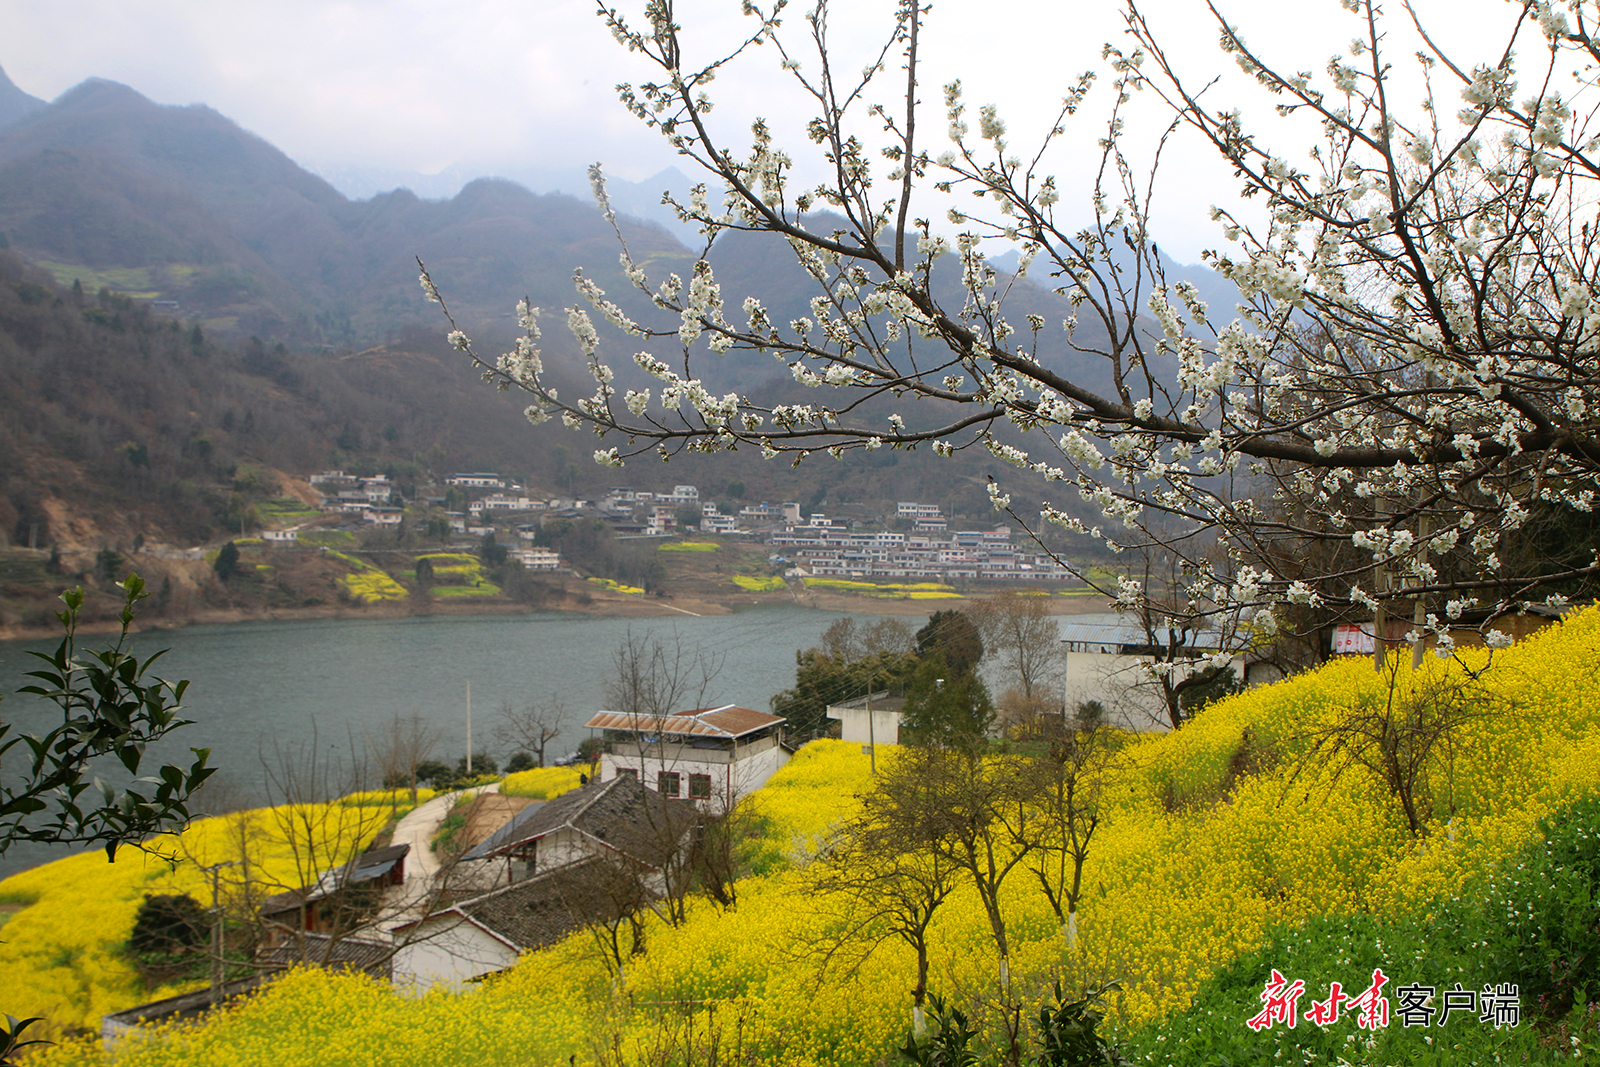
<point x="1543" y="914"/>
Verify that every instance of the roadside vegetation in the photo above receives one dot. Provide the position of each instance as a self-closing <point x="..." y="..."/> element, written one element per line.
<point x="1269" y="833"/>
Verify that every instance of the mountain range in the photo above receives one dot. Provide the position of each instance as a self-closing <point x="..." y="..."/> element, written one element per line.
<point x="224" y="280"/>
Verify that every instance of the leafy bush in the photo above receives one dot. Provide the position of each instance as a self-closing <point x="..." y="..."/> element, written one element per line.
<point x="167" y="923"/>
<point x="949" y="1044"/>
<point x="1068" y="1032"/>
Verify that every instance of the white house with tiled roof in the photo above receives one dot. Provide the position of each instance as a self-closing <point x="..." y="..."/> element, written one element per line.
<point x="711" y="756"/>
<point x="486" y="934"/>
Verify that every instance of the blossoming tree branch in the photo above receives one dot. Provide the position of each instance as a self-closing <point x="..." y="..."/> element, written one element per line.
<point x="1403" y="398"/>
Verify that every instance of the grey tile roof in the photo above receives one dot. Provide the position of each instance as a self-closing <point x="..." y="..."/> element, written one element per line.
<point x="319" y="950"/>
<point x="547" y="907"/>
<point x="1114" y="636"/>
<point x="621" y="814"/>
<point x="366" y="867"/>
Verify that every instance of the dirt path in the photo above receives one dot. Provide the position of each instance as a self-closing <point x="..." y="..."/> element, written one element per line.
<point x="488" y="813"/>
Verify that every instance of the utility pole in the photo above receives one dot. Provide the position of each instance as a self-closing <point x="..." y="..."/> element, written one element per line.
<point x="872" y="733"/>
<point x="469" y="729"/>
<point x="215" y="871"/>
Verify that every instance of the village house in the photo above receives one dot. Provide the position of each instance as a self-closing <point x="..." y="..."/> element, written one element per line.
<point x="869" y="720"/>
<point x="488" y="933"/>
<point x="712" y="521"/>
<point x="589" y="856"/>
<point x="536" y="557"/>
<point x="712" y="756"/>
<point x="478" y="480"/>
<point x="619" y="819"/>
<point x="339" y="900"/>
<point x="1108" y="662"/>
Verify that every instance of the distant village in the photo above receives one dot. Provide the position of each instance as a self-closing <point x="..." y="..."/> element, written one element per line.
<point x="915" y="542"/>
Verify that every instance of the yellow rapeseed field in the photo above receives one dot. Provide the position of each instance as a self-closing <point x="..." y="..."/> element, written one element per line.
<point x="541" y="783"/>
<point x="61" y="957"/>
<point x="1212" y="834"/>
<point x="759" y="585"/>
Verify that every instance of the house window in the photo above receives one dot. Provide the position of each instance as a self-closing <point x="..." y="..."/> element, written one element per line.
<point x="700" y="786"/>
<point x="628" y="772"/>
<point x="668" y="784"/>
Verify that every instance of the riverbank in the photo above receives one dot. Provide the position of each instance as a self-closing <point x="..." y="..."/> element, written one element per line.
<point x="580" y="598"/>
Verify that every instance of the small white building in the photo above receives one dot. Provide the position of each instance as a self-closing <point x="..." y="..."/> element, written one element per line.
<point x="712" y="756"/>
<point x="487" y="933"/>
<point x="536" y="557"/>
<point x="1108" y="662"/>
<point x="478" y="480"/>
<point x="869" y="720"/>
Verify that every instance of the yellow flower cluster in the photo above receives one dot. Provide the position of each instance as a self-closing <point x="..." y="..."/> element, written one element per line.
<point x="372" y="586"/>
<point x="463" y="563"/>
<point x="541" y="783"/>
<point x="887" y="590"/>
<point x="396" y="800"/>
<point x="689" y="546"/>
<point x="759" y="585"/>
<point x="618" y="587"/>
<point x="62" y="955"/>
<point x="1266" y="808"/>
<point x="480" y="589"/>
<point x="367" y="583"/>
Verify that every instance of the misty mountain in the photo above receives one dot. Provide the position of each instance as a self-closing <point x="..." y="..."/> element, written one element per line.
<point x="640" y="200"/>
<point x="15" y="104"/>
<point x="189" y="320"/>
<point x="179" y="204"/>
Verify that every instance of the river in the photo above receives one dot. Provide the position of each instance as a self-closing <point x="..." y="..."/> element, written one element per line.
<point x="333" y="682"/>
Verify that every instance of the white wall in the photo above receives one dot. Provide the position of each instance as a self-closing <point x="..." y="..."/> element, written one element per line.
<point x="749" y="770"/>
<point x="447" y="950"/>
<point x="1131" y="697"/>
<point x="884" y="728"/>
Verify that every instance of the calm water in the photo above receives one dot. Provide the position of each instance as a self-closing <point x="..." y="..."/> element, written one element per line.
<point x="332" y="681"/>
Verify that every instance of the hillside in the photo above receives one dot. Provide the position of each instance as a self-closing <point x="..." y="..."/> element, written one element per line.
<point x="1222" y="852"/>
<point x="201" y="305"/>
<point x="131" y="441"/>
<point x="14" y="103"/>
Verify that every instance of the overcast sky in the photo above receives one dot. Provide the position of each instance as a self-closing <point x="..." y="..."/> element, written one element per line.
<point x="495" y="85"/>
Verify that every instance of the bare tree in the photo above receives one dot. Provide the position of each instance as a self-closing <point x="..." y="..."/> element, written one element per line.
<point x="531" y="727"/>
<point x="1404" y="735"/>
<point x="1020" y="632"/>
<point x="401" y="747"/>
<point x="656" y="677"/>
<point x="848" y="640"/>
<point x="1069" y="788"/>
<point x="973" y="813"/>
<point x="875" y="885"/>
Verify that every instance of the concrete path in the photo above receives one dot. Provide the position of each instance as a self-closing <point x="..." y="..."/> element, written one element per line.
<point x="422" y="866"/>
